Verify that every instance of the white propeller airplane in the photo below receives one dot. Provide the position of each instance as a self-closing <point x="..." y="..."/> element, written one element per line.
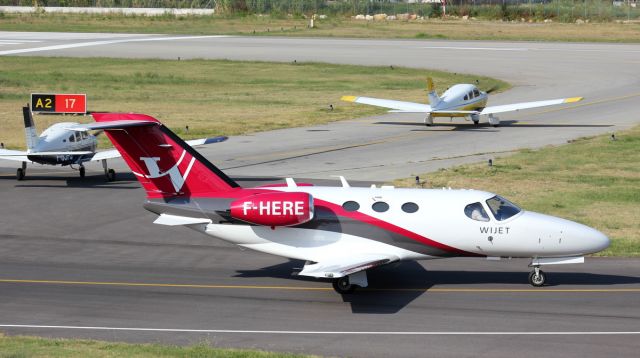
<point x="340" y="231"/>
<point x="61" y="144"/>
<point x="461" y="100"/>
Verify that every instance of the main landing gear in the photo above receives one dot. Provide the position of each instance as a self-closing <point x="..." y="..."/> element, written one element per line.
<point x="476" y="119"/>
<point x="348" y="284"/>
<point x="81" y="170"/>
<point x="428" y="120"/>
<point x="537" y="278"/>
<point x="109" y="173"/>
<point x="22" y="172"/>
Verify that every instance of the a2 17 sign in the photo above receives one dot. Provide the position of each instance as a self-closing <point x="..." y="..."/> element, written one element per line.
<point x="58" y="103"/>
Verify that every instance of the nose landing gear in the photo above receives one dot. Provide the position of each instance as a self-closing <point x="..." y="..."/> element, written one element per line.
<point x="537" y="277"/>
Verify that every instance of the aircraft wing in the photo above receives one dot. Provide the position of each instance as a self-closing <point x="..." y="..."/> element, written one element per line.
<point x="396" y="106"/>
<point x="12" y="154"/>
<point x="16" y="155"/>
<point x="113" y="153"/>
<point x="526" y="105"/>
<point x="346" y="265"/>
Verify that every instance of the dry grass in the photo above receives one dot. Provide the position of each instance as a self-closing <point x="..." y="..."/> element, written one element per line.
<point x="332" y="27"/>
<point x="211" y="97"/>
<point x="594" y="181"/>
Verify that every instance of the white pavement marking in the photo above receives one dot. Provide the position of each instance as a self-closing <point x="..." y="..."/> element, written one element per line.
<point x="363" y="333"/>
<point x="524" y="49"/>
<point x="104" y="42"/>
<point x="476" y="48"/>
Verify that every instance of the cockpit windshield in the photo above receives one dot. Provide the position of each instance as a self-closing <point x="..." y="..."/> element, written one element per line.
<point x="502" y="208"/>
<point x="476" y="212"/>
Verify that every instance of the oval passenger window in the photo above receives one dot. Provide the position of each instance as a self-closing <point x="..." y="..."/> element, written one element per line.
<point x="410" y="207"/>
<point x="380" y="206"/>
<point x="350" y="206"/>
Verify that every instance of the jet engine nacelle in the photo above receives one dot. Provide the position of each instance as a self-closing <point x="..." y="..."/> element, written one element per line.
<point x="274" y="209"/>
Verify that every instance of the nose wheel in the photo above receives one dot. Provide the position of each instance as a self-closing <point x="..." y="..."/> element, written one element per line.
<point x="82" y="172"/>
<point x="537" y="278"/>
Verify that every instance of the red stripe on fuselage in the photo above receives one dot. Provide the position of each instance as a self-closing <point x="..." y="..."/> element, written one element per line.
<point x="356" y="215"/>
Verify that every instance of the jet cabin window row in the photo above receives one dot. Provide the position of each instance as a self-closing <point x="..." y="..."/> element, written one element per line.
<point x="471" y="95"/>
<point x="380" y="206"/>
<point x="501" y="208"/>
<point x="77" y="136"/>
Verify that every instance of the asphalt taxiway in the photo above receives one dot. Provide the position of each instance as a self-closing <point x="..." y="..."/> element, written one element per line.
<point x="81" y="258"/>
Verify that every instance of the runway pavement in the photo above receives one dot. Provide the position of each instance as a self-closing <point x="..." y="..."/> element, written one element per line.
<point x="83" y="259"/>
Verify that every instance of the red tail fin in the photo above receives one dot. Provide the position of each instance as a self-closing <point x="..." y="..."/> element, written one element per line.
<point x="163" y="163"/>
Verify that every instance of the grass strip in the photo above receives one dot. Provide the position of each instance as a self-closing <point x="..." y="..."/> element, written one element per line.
<point x="23" y="346"/>
<point x="211" y="97"/>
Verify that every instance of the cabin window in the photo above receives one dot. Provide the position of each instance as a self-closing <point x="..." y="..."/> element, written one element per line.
<point x="72" y="138"/>
<point x="476" y="212"/>
<point x="502" y="208"/>
<point x="466" y="97"/>
<point x="380" y="206"/>
<point x="77" y="136"/>
<point x="350" y="206"/>
<point x="476" y="93"/>
<point x="410" y="207"/>
<point x="83" y="135"/>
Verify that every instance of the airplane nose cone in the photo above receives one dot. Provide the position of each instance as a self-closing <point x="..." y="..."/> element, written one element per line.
<point x="597" y="240"/>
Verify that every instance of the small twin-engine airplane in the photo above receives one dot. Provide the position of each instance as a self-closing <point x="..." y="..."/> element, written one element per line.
<point x="62" y="144"/>
<point x="461" y="100"/>
<point x="340" y="231"/>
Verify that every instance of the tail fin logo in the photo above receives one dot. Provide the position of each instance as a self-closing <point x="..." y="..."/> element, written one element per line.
<point x="177" y="178"/>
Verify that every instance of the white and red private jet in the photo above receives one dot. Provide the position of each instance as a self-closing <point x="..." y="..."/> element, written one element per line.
<point x="339" y="231"/>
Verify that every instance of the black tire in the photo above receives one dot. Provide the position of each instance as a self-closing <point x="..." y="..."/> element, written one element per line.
<point x="111" y="175"/>
<point x="476" y="123"/>
<point x="82" y="172"/>
<point x="342" y="285"/>
<point x="496" y="125"/>
<point x="539" y="280"/>
<point x="20" y="174"/>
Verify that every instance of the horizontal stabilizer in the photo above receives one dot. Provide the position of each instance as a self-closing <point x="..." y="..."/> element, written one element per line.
<point x="118" y="124"/>
<point x="113" y="153"/>
<point x="175" y="220"/>
<point x="343" y="266"/>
